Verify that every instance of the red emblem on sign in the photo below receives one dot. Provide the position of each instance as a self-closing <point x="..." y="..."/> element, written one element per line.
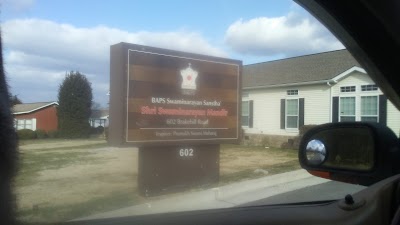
<point x="189" y="78"/>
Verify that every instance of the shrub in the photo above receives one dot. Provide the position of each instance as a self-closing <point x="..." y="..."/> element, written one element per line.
<point x="100" y="129"/>
<point x="96" y="130"/>
<point x="52" y="134"/>
<point x="25" y="134"/>
<point x="40" y="134"/>
<point x="93" y="130"/>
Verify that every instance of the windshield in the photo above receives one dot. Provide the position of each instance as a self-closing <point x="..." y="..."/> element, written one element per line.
<point x="141" y="107"/>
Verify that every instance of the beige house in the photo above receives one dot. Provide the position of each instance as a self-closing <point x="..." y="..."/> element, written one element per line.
<point x="280" y="96"/>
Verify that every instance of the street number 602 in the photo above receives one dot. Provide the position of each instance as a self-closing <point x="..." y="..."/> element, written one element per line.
<point x="186" y="152"/>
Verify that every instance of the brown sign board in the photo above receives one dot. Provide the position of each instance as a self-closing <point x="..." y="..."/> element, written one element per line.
<point x="160" y="96"/>
<point x="177" y="168"/>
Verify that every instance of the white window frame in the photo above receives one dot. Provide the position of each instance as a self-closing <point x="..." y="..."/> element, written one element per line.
<point x="357" y="111"/>
<point x="361" y="86"/>
<point x="286" y="115"/>
<point x="291" y="91"/>
<point x="377" y="107"/>
<point x="33" y="124"/>
<point x="355" y="106"/>
<point x="348" y="92"/>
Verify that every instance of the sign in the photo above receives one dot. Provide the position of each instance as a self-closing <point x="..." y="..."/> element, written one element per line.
<point x="177" y="107"/>
<point x="176" y="97"/>
<point x="177" y="168"/>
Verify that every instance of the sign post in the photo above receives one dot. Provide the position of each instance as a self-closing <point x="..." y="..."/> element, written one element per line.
<point x="177" y="108"/>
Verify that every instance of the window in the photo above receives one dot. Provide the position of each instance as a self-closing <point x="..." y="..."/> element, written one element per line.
<point x="347" y="109"/>
<point x="292" y="92"/>
<point x="245" y="94"/>
<point x="369" y="108"/>
<point x="292" y="113"/>
<point x="245" y="113"/>
<point x="369" y="87"/>
<point x="360" y="108"/>
<point x="24" y="124"/>
<point x="348" y="89"/>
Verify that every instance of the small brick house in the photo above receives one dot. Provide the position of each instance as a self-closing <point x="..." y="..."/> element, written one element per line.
<point x="36" y="116"/>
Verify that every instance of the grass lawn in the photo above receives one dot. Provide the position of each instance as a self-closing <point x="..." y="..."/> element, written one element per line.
<point x="61" y="180"/>
<point x="57" y="143"/>
<point x="39" y="141"/>
<point x="239" y="162"/>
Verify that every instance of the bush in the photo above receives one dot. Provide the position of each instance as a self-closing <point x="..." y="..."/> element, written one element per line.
<point x="26" y="134"/>
<point x="52" y="134"/>
<point x="100" y="129"/>
<point x="93" y="130"/>
<point x="40" y="134"/>
<point x="96" y="130"/>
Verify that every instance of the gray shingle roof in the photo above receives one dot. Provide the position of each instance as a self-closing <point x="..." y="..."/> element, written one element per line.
<point x="30" y="107"/>
<point x="308" y="68"/>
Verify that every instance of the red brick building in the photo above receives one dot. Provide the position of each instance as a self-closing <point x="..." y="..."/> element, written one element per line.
<point x="36" y="116"/>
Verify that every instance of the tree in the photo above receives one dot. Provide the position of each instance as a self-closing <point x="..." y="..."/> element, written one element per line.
<point x="15" y="100"/>
<point x="75" y="102"/>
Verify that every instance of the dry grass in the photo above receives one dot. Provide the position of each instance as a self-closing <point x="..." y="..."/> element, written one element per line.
<point x="239" y="162"/>
<point x="51" y="178"/>
<point x="63" y="180"/>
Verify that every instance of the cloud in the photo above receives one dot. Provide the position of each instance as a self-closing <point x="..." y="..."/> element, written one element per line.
<point x="290" y="35"/>
<point x="40" y="52"/>
<point x="43" y="37"/>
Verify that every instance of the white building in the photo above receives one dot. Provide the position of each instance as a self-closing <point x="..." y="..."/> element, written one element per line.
<point x="99" y="117"/>
<point x="280" y="96"/>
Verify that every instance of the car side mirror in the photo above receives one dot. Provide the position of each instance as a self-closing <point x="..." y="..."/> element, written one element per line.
<point x="352" y="152"/>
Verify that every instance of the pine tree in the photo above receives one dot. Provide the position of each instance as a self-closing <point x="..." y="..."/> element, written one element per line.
<point x="75" y="102"/>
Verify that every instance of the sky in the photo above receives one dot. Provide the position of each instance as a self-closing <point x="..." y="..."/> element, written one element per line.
<point x="45" y="39"/>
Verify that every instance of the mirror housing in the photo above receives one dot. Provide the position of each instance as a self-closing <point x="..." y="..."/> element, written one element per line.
<point x="352" y="152"/>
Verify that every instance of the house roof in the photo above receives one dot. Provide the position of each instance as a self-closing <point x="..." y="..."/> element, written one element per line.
<point x="99" y="114"/>
<point x="30" y="107"/>
<point x="320" y="67"/>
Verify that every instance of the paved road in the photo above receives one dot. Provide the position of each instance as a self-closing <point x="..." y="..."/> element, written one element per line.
<point x="290" y="187"/>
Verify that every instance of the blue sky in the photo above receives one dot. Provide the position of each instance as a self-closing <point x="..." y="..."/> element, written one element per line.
<point x="43" y="39"/>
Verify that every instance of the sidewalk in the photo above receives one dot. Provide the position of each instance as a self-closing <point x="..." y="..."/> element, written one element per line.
<point x="221" y="197"/>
